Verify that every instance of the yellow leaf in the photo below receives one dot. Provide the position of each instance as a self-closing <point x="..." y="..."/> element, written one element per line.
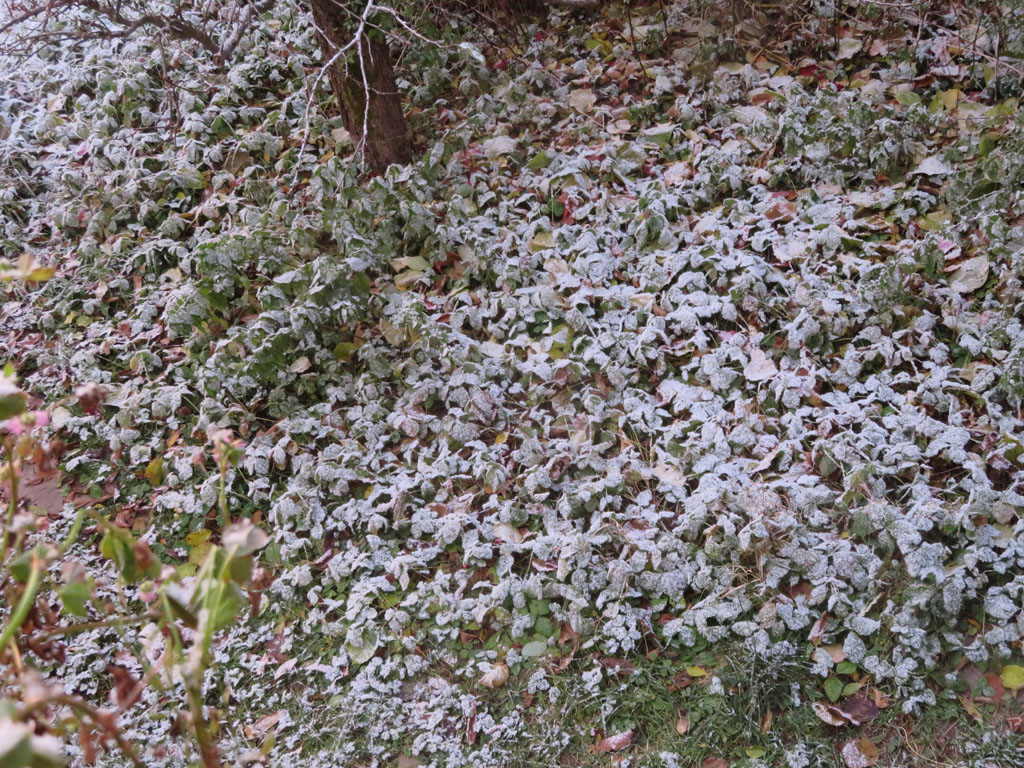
<point x="196" y="538"/>
<point x="155" y="472"/>
<point x="1012" y="677"/>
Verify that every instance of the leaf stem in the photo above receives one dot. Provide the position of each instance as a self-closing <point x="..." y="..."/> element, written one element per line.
<point x="13" y="505"/>
<point x="25" y="604"/>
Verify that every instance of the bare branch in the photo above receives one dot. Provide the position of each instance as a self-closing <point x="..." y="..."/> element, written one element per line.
<point x="588" y="5"/>
<point x="102" y="19"/>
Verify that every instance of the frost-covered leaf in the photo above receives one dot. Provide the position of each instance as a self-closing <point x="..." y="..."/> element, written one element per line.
<point x="970" y="275"/>
<point x="582" y="100"/>
<point x="614" y="743"/>
<point x="499" y="146"/>
<point x="932" y="166"/>
<point x="760" y="367"/>
<point x="860" y="753"/>
<point x="849" y="47"/>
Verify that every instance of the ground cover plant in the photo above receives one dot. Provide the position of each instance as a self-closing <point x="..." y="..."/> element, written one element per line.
<point x="664" y="410"/>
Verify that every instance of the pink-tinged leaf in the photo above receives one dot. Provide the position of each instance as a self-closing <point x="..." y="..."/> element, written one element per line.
<point x="818" y="630"/>
<point x="285" y="668"/>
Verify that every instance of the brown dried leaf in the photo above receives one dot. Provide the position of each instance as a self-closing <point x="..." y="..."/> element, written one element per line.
<point x="830" y="714"/>
<point x="818" y="630"/>
<point x="682" y="723"/>
<point x="495" y="677"/>
<point x="618" y="666"/>
<point x="614" y="743"/>
<point x="860" y="753"/>
<point x="859" y="709"/>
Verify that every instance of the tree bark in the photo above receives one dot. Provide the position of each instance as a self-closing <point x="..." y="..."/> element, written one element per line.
<point x="363" y="70"/>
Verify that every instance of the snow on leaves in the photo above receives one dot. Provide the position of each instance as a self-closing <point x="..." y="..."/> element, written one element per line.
<point x="628" y="362"/>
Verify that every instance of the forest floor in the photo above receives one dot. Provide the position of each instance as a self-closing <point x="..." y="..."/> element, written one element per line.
<point x="666" y="411"/>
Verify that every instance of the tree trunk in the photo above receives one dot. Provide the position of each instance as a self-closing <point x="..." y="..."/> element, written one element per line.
<point x="363" y="69"/>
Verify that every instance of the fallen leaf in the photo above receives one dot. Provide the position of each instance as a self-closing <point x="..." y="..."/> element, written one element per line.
<point x="285" y="668"/>
<point x="508" y="532"/>
<point x="818" y="630"/>
<point x="618" y="666"/>
<point x="495" y="677"/>
<point x="682" y="723"/>
<point x="760" y="367"/>
<point x="261" y="727"/>
<point x="497" y="146"/>
<point x="971" y="708"/>
<point x="835" y="652"/>
<point x="714" y="762"/>
<point x="880" y="699"/>
<point x="931" y="166"/>
<point x="859" y="709"/>
<point x="995" y="682"/>
<point x="829" y="714"/>
<point x="677" y="173"/>
<point x="860" y="753"/>
<point x="781" y="210"/>
<point x="582" y="100"/>
<point x="848" y="48"/>
<point x="614" y="743"/>
<point x="1012" y="677"/>
<point x="970" y="275"/>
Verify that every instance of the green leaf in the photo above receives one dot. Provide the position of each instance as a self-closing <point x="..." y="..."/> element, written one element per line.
<point x="833" y="688"/>
<point x="244" y="538"/>
<point x="363" y="653"/>
<point x="156" y="472"/>
<point x="196" y="538"/>
<point x="534" y="649"/>
<point x="15" y="745"/>
<point x="851" y="688"/>
<point x="75" y="596"/>
<point x="846" y="668"/>
<point x="225" y="611"/>
<point x="12" y="399"/>
<point x="907" y="98"/>
<point x="345" y="349"/>
<point x="118" y="546"/>
<point x="539" y="161"/>
<point x="20" y="567"/>
<point x="544" y="626"/>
